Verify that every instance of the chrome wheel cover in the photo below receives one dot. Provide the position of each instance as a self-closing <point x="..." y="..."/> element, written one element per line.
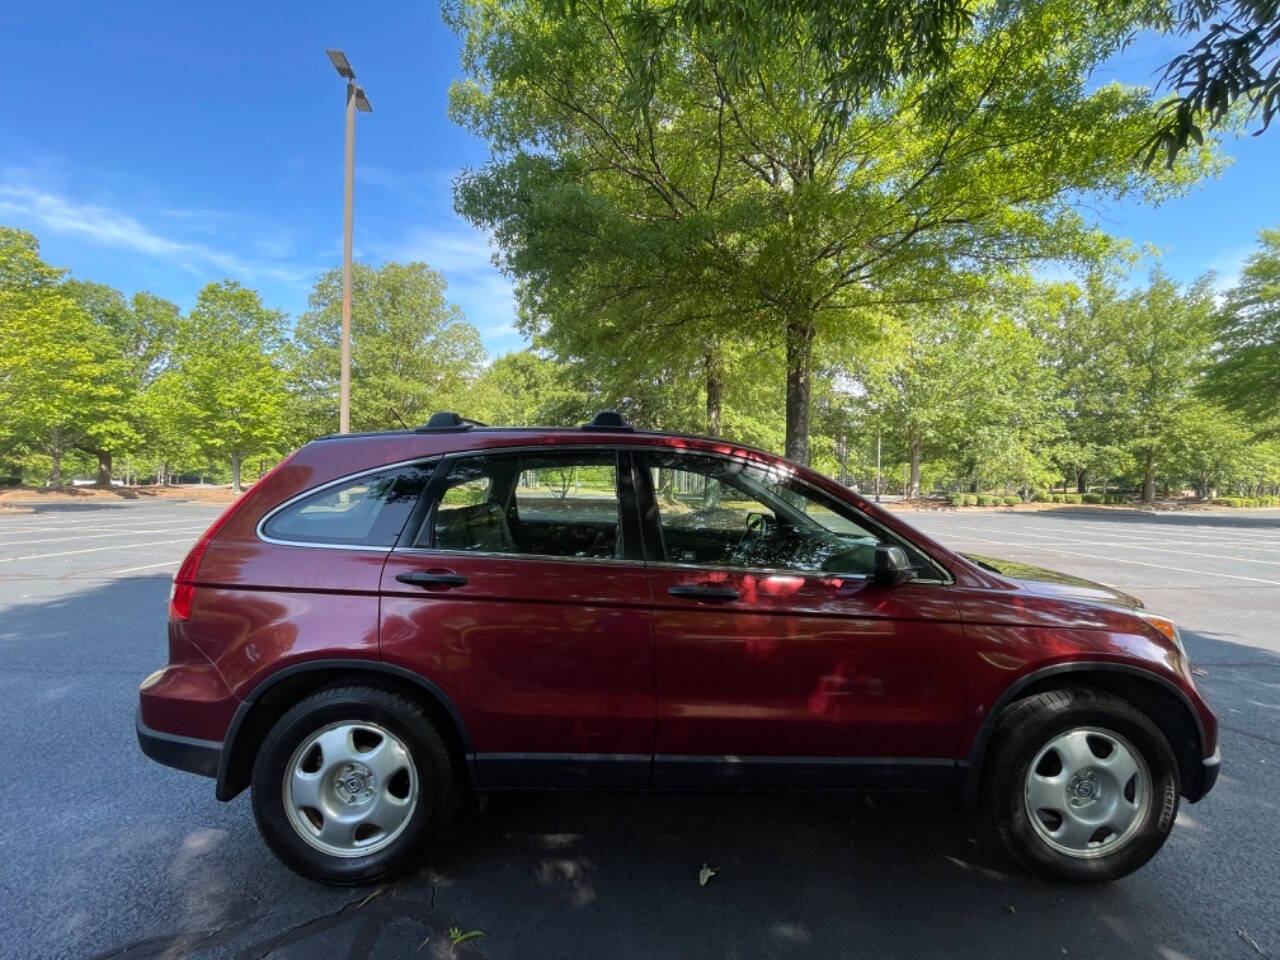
<point x="350" y="789"/>
<point x="1088" y="792"/>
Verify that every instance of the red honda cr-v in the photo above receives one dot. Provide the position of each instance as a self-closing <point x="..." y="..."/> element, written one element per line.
<point x="389" y="622"/>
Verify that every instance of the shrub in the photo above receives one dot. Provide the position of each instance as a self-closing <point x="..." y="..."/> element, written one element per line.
<point x="1055" y="498"/>
<point x="1117" y="498"/>
<point x="1039" y="496"/>
<point x="986" y="500"/>
<point x="1012" y="501"/>
<point x="955" y="499"/>
<point x="1093" y="498"/>
<point x="970" y="500"/>
<point x="1071" y="498"/>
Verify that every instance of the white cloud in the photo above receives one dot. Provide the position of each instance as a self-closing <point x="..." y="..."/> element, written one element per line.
<point x="114" y="228"/>
<point x="1228" y="265"/>
<point x="461" y="251"/>
<point x="465" y="257"/>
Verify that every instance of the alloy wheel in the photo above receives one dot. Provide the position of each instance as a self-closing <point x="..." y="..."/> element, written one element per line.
<point x="350" y="789"/>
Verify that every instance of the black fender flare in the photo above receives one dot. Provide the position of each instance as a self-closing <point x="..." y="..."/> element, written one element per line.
<point x="226" y="791"/>
<point x="971" y="766"/>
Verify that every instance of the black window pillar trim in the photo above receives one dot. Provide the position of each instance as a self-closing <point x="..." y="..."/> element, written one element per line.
<point x="426" y="503"/>
<point x="647" y="507"/>
<point x="629" y="506"/>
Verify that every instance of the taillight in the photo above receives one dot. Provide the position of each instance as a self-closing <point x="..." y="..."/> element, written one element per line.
<point x="181" y="596"/>
<point x="183" y="593"/>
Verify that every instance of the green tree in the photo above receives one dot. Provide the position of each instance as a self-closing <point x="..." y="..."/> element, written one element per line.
<point x="412" y="352"/>
<point x="1246" y="372"/>
<point x="63" y="385"/>
<point x="1212" y="448"/>
<point x="749" y="209"/>
<point x="526" y="389"/>
<point x="970" y="386"/>
<point x="141" y="333"/>
<point x="1129" y="364"/>
<point x="867" y="44"/>
<point x="229" y="383"/>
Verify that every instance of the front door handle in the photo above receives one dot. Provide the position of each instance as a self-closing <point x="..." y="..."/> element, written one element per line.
<point x="703" y="591"/>
<point x="433" y="578"/>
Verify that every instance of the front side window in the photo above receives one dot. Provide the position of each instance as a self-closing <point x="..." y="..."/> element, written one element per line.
<point x="541" y="504"/>
<point x="728" y="513"/>
<point x="370" y="510"/>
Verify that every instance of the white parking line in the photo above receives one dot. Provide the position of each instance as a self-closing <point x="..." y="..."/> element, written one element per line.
<point x="1147" y="531"/>
<point x="1124" y="537"/>
<point x="1133" y="546"/>
<point x="146" y="566"/>
<point x="101" y="525"/>
<point x="1135" y="563"/>
<point x="116" y="546"/>
<point x="67" y="518"/>
<point x="95" y="536"/>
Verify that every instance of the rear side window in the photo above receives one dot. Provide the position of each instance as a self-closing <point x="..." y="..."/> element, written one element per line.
<point x="367" y="511"/>
<point x="553" y="504"/>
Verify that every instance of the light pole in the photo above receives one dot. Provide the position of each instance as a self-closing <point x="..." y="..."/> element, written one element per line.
<point x="356" y="100"/>
<point x="877" y="464"/>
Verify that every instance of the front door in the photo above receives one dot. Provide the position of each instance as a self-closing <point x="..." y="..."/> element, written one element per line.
<point x="522" y="595"/>
<point x="779" y="661"/>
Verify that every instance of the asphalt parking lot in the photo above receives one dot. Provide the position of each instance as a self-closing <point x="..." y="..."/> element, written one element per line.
<point x="107" y="854"/>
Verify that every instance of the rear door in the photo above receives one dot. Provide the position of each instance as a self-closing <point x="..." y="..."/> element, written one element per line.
<point x="779" y="661"/>
<point x="520" y="591"/>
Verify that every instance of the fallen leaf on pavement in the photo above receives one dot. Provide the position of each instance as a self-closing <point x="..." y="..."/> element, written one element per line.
<point x="376" y="893"/>
<point x="1250" y="941"/>
<point x="706" y="873"/>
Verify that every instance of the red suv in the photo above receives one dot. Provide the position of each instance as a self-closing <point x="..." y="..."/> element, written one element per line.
<point x="388" y="623"/>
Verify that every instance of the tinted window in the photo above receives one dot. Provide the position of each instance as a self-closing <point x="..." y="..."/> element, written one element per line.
<point x="732" y="514"/>
<point x="367" y="511"/>
<point x="545" y="504"/>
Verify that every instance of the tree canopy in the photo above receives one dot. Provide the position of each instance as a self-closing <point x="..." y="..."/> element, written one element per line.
<point x="749" y="212"/>
<point x="1111" y="385"/>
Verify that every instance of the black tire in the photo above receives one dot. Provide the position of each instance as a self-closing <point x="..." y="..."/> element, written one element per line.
<point x="401" y="716"/>
<point x="1024" y="729"/>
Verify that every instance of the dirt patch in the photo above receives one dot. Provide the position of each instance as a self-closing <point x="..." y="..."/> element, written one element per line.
<point x="16" y="497"/>
<point x="1161" y="506"/>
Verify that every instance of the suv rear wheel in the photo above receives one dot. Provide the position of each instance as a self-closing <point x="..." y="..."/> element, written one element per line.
<point x="1083" y="786"/>
<point x="351" y="783"/>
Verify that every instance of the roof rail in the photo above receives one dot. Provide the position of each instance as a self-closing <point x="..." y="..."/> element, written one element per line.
<point x="447" y="421"/>
<point x="609" y="420"/>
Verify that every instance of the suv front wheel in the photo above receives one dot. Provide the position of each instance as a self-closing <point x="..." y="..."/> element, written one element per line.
<point x="1083" y="786"/>
<point x="351" y="783"/>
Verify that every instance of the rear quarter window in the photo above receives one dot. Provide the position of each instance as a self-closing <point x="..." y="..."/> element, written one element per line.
<point x="369" y="510"/>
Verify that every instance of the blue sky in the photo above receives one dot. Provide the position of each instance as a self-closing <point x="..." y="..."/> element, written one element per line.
<point x="160" y="146"/>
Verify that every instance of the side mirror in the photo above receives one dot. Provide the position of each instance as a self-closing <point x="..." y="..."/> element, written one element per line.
<point x="892" y="565"/>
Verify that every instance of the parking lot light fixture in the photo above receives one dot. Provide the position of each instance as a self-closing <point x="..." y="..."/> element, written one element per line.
<point x="356" y="100"/>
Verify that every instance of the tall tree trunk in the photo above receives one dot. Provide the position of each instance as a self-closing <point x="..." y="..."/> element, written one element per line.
<point x="799" y="336"/>
<point x="55" y="469"/>
<point x="1149" y="478"/>
<point x="913" y="483"/>
<point x="1082" y="481"/>
<point x="104" y="469"/>
<point x="235" y="471"/>
<point x="714" y="369"/>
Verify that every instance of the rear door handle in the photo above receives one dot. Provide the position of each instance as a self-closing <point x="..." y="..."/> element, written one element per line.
<point x="703" y="591"/>
<point x="433" y="578"/>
